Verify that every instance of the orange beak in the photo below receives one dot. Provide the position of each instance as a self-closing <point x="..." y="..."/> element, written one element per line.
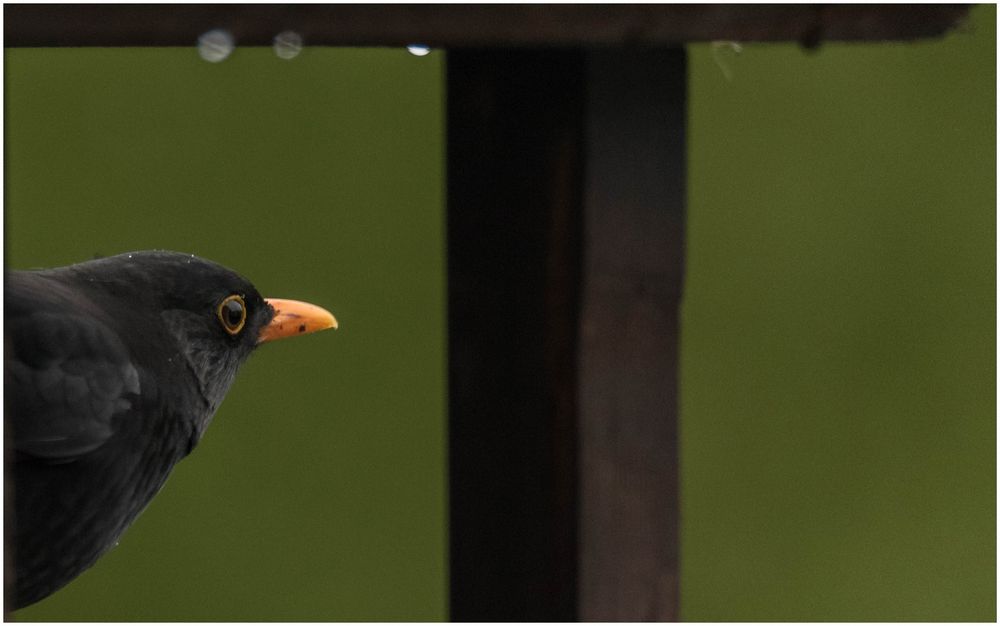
<point x="292" y="318"/>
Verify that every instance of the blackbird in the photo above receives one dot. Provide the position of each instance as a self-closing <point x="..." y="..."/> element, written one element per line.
<point x="113" y="370"/>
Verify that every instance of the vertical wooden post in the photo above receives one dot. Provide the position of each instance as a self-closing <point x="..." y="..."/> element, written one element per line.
<point x="628" y="352"/>
<point x="565" y="262"/>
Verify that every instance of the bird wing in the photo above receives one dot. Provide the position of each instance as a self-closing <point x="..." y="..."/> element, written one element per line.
<point x="68" y="376"/>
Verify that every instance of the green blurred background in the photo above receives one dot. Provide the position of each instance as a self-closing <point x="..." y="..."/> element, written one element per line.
<point x="838" y="386"/>
<point x="838" y="346"/>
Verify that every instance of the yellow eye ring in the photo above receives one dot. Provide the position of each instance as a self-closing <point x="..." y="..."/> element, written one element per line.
<point x="232" y="313"/>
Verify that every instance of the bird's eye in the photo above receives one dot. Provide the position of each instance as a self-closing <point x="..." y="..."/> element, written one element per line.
<point x="233" y="314"/>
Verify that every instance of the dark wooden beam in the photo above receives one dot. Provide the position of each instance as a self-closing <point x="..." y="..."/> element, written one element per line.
<point x="455" y="25"/>
<point x="566" y="196"/>
<point x="515" y="167"/>
<point x="628" y="352"/>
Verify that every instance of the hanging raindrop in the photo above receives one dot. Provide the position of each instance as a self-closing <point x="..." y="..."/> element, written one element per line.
<point x="216" y="45"/>
<point x="287" y="44"/>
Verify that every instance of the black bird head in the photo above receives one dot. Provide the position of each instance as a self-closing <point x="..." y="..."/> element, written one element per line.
<point x="174" y="306"/>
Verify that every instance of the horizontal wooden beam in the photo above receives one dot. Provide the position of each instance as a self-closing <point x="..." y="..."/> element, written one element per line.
<point x="453" y="25"/>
